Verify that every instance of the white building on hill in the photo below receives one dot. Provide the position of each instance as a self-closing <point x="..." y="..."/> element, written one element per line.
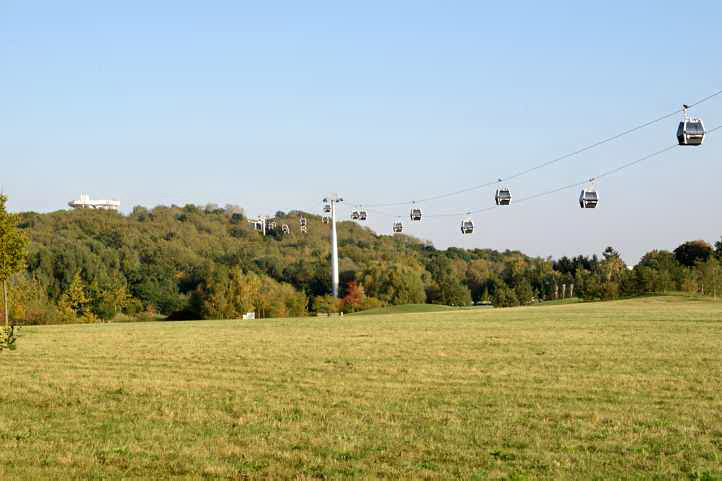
<point x="85" y="202"/>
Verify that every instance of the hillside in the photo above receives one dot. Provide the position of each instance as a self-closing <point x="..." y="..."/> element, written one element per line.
<point x="209" y="263"/>
<point x="158" y="259"/>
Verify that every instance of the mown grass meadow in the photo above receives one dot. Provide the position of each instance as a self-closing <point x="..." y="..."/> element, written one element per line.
<point x="619" y="390"/>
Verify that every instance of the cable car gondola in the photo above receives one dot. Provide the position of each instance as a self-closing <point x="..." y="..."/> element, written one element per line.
<point x="398" y="227"/>
<point x="415" y="214"/>
<point x="302" y="221"/>
<point x="285" y="229"/>
<point x="503" y="196"/>
<point x="362" y="215"/>
<point x="327" y="208"/>
<point x="467" y="226"/>
<point x="589" y="198"/>
<point x="355" y="215"/>
<point x="690" y="130"/>
<point x="325" y="220"/>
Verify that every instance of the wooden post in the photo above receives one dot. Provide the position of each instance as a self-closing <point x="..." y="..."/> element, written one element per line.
<point x="5" y="302"/>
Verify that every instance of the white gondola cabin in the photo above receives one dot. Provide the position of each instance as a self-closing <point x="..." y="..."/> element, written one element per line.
<point x="467" y="226"/>
<point x="503" y="196"/>
<point x="302" y="221"/>
<point x="362" y="215"/>
<point x="327" y="208"/>
<point x="398" y="227"/>
<point x="285" y="229"/>
<point x="589" y="198"/>
<point x="355" y="215"/>
<point x="415" y="214"/>
<point x="690" y="130"/>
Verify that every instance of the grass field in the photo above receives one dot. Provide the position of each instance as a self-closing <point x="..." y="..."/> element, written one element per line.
<point x="619" y="390"/>
<point x="405" y="309"/>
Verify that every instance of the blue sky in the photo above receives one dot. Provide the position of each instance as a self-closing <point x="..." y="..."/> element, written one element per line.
<point x="271" y="105"/>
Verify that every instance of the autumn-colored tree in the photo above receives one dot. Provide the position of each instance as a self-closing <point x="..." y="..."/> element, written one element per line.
<point x="230" y="294"/>
<point x="354" y="298"/>
<point x="30" y="300"/>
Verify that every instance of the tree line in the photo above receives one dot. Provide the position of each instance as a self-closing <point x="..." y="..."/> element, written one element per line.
<point x="193" y="262"/>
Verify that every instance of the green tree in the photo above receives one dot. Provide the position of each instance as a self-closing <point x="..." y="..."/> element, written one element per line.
<point x="592" y="287"/>
<point x="75" y="303"/>
<point x="327" y="304"/>
<point x="229" y="295"/>
<point x="294" y="301"/>
<point x="394" y="283"/>
<point x="485" y="298"/>
<point x="13" y="251"/>
<point x="669" y="273"/>
<point x="645" y="280"/>
<point x="612" y="267"/>
<point x="710" y="276"/>
<point x="446" y="286"/>
<point x="449" y="291"/>
<point x="504" y="297"/>
<point x="30" y="300"/>
<point x="524" y="292"/>
<point x="691" y="252"/>
<point x="109" y="299"/>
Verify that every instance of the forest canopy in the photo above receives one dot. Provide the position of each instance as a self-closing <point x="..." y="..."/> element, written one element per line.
<point x="208" y="262"/>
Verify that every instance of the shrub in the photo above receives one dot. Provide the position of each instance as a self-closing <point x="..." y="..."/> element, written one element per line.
<point x="8" y="337"/>
<point x="371" y="303"/>
<point x="327" y="304"/>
